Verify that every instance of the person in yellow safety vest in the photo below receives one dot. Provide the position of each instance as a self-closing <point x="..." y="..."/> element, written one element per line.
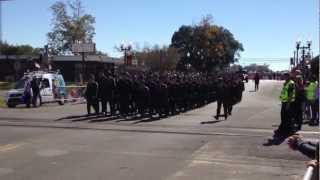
<point x="287" y="97"/>
<point x="311" y="95"/>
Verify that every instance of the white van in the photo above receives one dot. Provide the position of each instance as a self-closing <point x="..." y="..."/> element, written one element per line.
<point x="52" y="89"/>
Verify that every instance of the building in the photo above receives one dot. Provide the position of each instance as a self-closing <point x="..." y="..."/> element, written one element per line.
<point x="13" y="67"/>
<point x="72" y="66"/>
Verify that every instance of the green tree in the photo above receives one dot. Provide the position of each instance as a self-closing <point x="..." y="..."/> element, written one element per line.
<point x="8" y="49"/>
<point x="156" y="58"/>
<point x="68" y="29"/>
<point x="206" y="46"/>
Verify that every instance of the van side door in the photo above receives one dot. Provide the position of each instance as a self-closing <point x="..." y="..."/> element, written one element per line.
<point x="46" y="90"/>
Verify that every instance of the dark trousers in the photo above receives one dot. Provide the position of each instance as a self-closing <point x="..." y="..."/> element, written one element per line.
<point x="315" y="112"/>
<point x="298" y="114"/>
<point x="256" y="86"/>
<point x="104" y="104"/>
<point x="285" y="126"/>
<point x="94" y="103"/>
<point x="225" y="108"/>
<point x="229" y="105"/>
<point x="35" y="98"/>
<point x="124" y="105"/>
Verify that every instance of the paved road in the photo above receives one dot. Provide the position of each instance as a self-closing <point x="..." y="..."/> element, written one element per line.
<point x="40" y="144"/>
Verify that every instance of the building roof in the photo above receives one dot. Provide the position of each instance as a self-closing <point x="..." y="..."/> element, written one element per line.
<point x="91" y="58"/>
<point x="18" y="57"/>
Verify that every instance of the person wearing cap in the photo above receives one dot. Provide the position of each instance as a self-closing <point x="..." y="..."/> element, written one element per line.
<point x="287" y="97"/>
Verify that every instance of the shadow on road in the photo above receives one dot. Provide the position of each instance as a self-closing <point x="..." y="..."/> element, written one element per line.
<point x="151" y="119"/>
<point x="89" y="118"/>
<point x="104" y="119"/>
<point x="75" y="117"/>
<point x="95" y="118"/>
<point x="212" y="122"/>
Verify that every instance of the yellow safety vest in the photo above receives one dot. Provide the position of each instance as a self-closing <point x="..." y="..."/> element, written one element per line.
<point x="311" y="91"/>
<point x="284" y="96"/>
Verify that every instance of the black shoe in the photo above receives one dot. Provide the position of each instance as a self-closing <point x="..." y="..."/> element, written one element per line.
<point x="216" y="117"/>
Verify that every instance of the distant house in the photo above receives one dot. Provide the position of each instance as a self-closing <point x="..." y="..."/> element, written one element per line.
<point x="71" y="66"/>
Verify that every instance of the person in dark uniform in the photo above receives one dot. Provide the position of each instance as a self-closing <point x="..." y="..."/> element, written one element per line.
<point x="240" y="89"/>
<point x="256" y="81"/>
<point x="124" y="94"/>
<point x="106" y="92"/>
<point x="163" y="99"/>
<point x="36" y="91"/>
<point x="142" y="97"/>
<point x="110" y="91"/>
<point x="101" y="92"/>
<point x="229" y="96"/>
<point x="91" y="95"/>
<point x="221" y="99"/>
<point x="297" y="104"/>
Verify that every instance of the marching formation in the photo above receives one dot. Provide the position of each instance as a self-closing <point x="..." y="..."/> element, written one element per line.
<point x="154" y="94"/>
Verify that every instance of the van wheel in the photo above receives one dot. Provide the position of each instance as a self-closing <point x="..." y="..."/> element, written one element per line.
<point x="11" y="105"/>
<point x="61" y="102"/>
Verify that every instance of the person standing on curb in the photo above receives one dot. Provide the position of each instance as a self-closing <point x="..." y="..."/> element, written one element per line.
<point x="287" y="97"/>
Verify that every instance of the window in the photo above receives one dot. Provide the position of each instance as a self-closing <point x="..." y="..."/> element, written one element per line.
<point x="45" y="83"/>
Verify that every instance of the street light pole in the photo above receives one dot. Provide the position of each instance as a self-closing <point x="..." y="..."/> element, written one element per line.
<point x="304" y="48"/>
<point x="125" y="49"/>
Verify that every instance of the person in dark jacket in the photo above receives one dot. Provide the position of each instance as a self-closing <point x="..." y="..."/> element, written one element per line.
<point x="36" y="91"/>
<point x="106" y="92"/>
<point x="91" y="95"/>
<point x="297" y="104"/>
<point x="221" y="99"/>
<point x="256" y="81"/>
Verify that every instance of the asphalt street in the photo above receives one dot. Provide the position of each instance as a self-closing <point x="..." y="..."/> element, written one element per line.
<point x="57" y="142"/>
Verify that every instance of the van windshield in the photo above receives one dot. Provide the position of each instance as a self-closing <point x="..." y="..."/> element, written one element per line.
<point x="20" y="84"/>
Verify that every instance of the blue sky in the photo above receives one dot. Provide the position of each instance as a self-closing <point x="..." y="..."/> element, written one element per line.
<point x="266" y="28"/>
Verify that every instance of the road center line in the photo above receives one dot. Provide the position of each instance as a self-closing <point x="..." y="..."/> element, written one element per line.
<point x="10" y="147"/>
